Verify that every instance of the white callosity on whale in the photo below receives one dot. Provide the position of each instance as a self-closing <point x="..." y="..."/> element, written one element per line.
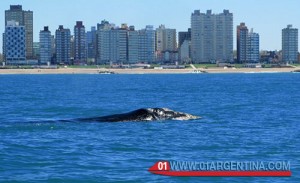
<point x="165" y="113"/>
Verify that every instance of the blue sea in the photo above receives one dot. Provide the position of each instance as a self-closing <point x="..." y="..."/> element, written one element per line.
<point x="245" y="117"/>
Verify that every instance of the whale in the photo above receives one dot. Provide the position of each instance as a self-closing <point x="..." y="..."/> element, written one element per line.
<point x="143" y="114"/>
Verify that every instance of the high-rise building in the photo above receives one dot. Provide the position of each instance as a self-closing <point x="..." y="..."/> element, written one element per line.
<point x="141" y="45"/>
<point x="159" y="38"/>
<point x="45" y="46"/>
<point x="79" y="44"/>
<point x="24" y="18"/>
<point x="14" y="43"/>
<point x="103" y="37"/>
<point x="253" y="47"/>
<point x="118" y="44"/>
<point x="112" y="43"/>
<point x="146" y="44"/>
<point x="247" y="45"/>
<point x="133" y="47"/>
<point x="290" y="44"/>
<point x="166" y="43"/>
<point x="63" y="45"/>
<point x="165" y="39"/>
<point x="242" y="37"/>
<point x="211" y="37"/>
<point x="124" y="44"/>
<point x="91" y="45"/>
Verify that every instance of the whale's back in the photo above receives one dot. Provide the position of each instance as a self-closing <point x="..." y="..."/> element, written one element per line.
<point x="136" y="115"/>
<point x="144" y="114"/>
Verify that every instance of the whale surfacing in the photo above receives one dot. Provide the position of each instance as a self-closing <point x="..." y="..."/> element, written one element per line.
<point x="145" y="114"/>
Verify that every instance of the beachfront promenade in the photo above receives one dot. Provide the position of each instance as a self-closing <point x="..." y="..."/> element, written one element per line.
<point x="145" y="71"/>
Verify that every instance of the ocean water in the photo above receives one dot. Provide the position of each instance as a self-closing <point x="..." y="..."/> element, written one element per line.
<point x="245" y="117"/>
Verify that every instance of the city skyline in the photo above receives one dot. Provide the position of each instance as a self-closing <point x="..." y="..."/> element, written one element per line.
<point x="266" y="17"/>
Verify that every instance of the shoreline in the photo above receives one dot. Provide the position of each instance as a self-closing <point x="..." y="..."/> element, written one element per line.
<point x="145" y="71"/>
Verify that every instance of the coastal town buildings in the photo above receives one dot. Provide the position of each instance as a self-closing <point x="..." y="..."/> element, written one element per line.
<point x="63" y="45"/>
<point x="209" y="40"/>
<point x="290" y="44"/>
<point x="247" y="45"/>
<point x="45" y="46"/>
<point x="80" y="57"/>
<point x="269" y="57"/>
<point x="24" y="18"/>
<point x="211" y="37"/>
<point x="123" y="45"/>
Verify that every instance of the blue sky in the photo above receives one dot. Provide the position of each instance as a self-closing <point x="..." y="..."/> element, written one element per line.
<point x="267" y="17"/>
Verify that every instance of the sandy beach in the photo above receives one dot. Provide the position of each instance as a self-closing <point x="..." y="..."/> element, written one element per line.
<point x="144" y="71"/>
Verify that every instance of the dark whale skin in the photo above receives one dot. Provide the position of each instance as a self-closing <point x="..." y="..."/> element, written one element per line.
<point x="143" y="114"/>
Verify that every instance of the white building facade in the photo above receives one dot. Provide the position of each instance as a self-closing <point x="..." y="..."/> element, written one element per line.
<point x="185" y="51"/>
<point x="125" y="45"/>
<point x="103" y="37"/>
<point x="211" y="37"/>
<point x="146" y="45"/>
<point x="165" y="42"/>
<point x="112" y="43"/>
<point x="118" y="45"/>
